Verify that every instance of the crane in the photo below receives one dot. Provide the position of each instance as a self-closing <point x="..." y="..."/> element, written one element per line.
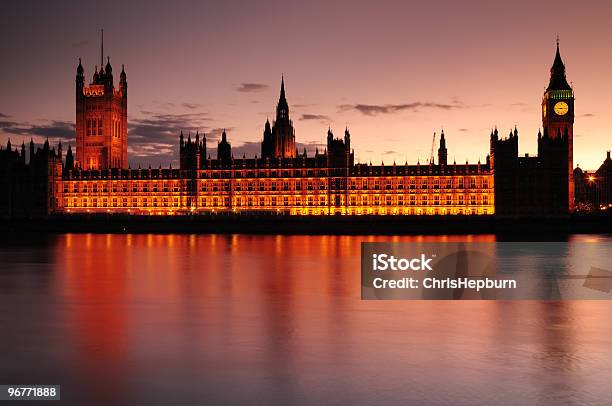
<point x="433" y="143"/>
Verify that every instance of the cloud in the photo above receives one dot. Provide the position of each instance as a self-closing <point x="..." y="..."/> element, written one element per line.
<point x="320" y="117"/>
<point x="176" y="120"/>
<point x="154" y="153"/>
<point x="153" y="137"/>
<point x="163" y="105"/>
<point x="214" y="134"/>
<point x="375" y="109"/>
<point x="251" y="87"/>
<point x="191" y="106"/>
<point x="390" y="152"/>
<point x="463" y="129"/>
<point x="54" y="129"/>
<point x="587" y="115"/>
<point x="7" y="125"/>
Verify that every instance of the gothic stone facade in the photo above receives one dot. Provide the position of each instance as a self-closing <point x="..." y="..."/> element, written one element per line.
<point x="101" y="120"/>
<point x="282" y="180"/>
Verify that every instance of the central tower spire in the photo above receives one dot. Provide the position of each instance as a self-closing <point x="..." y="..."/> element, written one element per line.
<point x="279" y="141"/>
<point x="282" y="109"/>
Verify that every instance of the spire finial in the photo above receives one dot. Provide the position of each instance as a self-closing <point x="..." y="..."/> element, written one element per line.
<point x="557" y="41"/>
<point x="282" y="91"/>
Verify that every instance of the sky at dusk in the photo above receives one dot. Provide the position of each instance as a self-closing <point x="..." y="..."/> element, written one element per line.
<point x="394" y="72"/>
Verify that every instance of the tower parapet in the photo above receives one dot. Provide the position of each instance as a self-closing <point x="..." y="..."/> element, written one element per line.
<point x="339" y="154"/>
<point x="192" y="154"/>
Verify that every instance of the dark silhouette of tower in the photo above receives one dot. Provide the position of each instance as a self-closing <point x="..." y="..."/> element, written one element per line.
<point x="541" y="185"/>
<point x="555" y="147"/>
<point x="101" y="118"/>
<point x="32" y="187"/>
<point x="192" y="154"/>
<point x="504" y="164"/>
<point x="339" y="154"/>
<point x="224" y="149"/>
<point x="69" y="165"/>
<point x="442" y="153"/>
<point x="267" y="145"/>
<point x="339" y="161"/>
<point x="279" y="141"/>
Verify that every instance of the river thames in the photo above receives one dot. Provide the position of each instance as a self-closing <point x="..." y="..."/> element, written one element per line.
<point x="142" y="319"/>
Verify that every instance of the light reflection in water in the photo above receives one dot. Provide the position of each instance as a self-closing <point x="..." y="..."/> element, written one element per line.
<point x="127" y="319"/>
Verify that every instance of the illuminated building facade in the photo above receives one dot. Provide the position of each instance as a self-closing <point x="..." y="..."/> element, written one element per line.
<point x="101" y="118"/>
<point x="303" y="185"/>
<point x="284" y="181"/>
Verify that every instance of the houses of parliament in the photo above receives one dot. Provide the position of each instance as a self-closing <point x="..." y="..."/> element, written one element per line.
<point x="97" y="178"/>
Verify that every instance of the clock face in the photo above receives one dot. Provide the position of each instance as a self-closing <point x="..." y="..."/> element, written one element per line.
<point x="561" y="108"/>
<point x="544" y="109"/>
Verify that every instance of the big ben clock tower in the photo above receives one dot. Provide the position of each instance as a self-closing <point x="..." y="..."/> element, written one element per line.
<point x="555" y="147"/>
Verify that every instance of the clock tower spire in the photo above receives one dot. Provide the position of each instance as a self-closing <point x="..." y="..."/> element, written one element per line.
<point x="556" y="146"/>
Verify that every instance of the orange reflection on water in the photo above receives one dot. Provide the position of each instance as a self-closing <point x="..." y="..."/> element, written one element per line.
<point x="278" y="319"/>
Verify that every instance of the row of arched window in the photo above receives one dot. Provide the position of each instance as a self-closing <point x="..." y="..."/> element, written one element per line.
<point x="94" y="127"/>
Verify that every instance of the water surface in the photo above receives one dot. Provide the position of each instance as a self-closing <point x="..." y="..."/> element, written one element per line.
<point x="143" y="319"/>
